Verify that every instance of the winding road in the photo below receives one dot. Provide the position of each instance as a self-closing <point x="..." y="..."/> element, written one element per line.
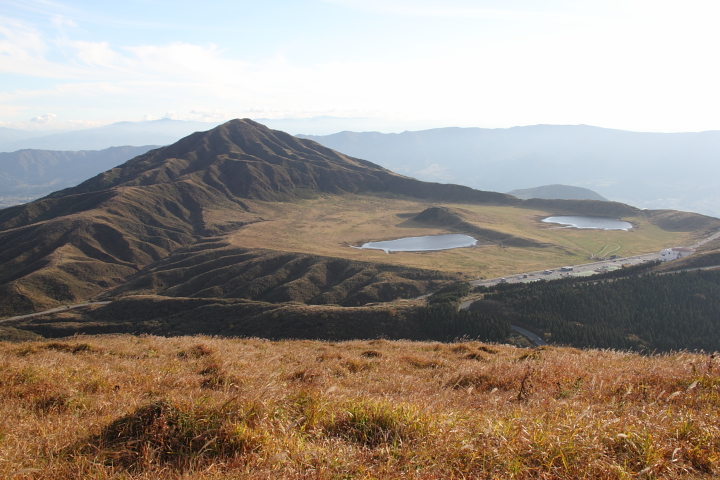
<point x="53" y="310"/>
<point x="526" y="333"/>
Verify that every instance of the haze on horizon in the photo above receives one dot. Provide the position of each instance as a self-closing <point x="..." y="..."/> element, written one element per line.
<point x="400" y="64"/>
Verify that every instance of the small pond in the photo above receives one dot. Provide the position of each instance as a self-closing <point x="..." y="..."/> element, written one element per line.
<point x="600" y="223"/>
<point x="422" y="244"/>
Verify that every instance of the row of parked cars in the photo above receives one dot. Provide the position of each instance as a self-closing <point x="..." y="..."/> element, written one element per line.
<point x="546" y="272"/>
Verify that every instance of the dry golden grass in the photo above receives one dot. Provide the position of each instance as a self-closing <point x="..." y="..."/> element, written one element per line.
<point x="195" y="407"/>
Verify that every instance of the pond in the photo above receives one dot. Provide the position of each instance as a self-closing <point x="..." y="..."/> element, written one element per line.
<point x="600" y="223"/>
<point x="423" y="244"/>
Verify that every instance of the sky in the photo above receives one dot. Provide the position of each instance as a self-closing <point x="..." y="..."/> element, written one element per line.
<point x="406" y="64"/>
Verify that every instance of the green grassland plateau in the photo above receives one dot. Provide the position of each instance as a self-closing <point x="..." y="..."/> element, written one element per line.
<point x="329" y="224"/>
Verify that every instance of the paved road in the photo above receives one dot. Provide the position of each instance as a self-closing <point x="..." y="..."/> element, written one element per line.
<point x="709" y="239"/>
<point x="533" y="338"/>
<point x="527" y="333"/>
<point x="690" y="269"/>
<point x="53" y="310"/>
<point x="557" y="272"/>
<point x="466" y="304"/>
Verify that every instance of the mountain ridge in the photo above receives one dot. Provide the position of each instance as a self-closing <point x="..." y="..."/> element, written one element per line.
<point x="81" y="241"/>
<point x="650" y="170"/>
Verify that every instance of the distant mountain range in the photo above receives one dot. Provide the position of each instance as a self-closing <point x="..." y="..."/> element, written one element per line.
<point x="119" y="228"/>
<point x="245" y="231"/>
<point x="325" y="125"/>
<point x="155" y="132"/>
<point x="29" y="174"/>
<point x="654" y="170"/>
<point x="650" y="170"/>
<point x="10" y="135"/>
<point x="559" y="192"/>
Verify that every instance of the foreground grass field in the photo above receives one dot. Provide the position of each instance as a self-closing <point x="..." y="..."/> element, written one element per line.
<point x="328" y="224"/>
<point x="194" y="407"/>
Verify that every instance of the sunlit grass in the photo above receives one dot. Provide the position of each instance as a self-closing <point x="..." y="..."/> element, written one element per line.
<point x="327" y="225"/>
<point x="193" y="407"/>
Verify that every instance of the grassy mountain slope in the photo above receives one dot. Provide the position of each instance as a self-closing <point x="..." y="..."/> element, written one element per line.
<point x="70" y="248"/>
<point x="216" y="269"/>
<point x="267" y="190"/>
<point x="160" y="315"/>
<point x="453" y="220"/>
<point x="81" y="240"/>
<point x="247" y="160"/>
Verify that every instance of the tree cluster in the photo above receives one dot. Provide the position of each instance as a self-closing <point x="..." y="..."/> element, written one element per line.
<point x="450" y="294"/>
<point x="443" y="321"/>
<point x="648" y="312"/>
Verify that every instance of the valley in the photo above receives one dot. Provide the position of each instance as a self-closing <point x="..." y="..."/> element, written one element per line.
<point x="247" y="231"/>
<point x="327" y="225"/>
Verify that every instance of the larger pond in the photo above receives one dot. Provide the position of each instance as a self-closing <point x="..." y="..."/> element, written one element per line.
<point x="600" y="223"/>
<point x="423" y="244"/>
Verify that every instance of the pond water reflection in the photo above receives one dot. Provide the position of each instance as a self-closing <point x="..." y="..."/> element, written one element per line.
<point x="422" y="244"/>
<point x="600" y="223"/>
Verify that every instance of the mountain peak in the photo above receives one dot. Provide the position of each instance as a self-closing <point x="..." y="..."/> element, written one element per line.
<point x="242" y="158"/>
<point x="558" y="192"/>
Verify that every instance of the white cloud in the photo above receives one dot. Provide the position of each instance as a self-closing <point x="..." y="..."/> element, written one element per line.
<point x="650" y="70"/>
<point x="60" y="21"/>
<point x="20" y="39"/>
<point x="46" y="118"/>
<point x="55" y="125"/>
<point x="458" y="9"/>
<point x="209" y="115"/>
<point x="96" y="53"/>
<point x="199" y="115"/>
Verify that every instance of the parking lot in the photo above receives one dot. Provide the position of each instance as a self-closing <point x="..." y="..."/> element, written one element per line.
<point x="582" y="270"/>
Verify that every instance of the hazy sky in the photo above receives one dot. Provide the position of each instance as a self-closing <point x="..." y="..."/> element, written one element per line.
<point x="631" y="64"/>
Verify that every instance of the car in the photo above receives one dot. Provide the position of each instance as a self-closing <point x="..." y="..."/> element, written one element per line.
<point x="548" y="272"/>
